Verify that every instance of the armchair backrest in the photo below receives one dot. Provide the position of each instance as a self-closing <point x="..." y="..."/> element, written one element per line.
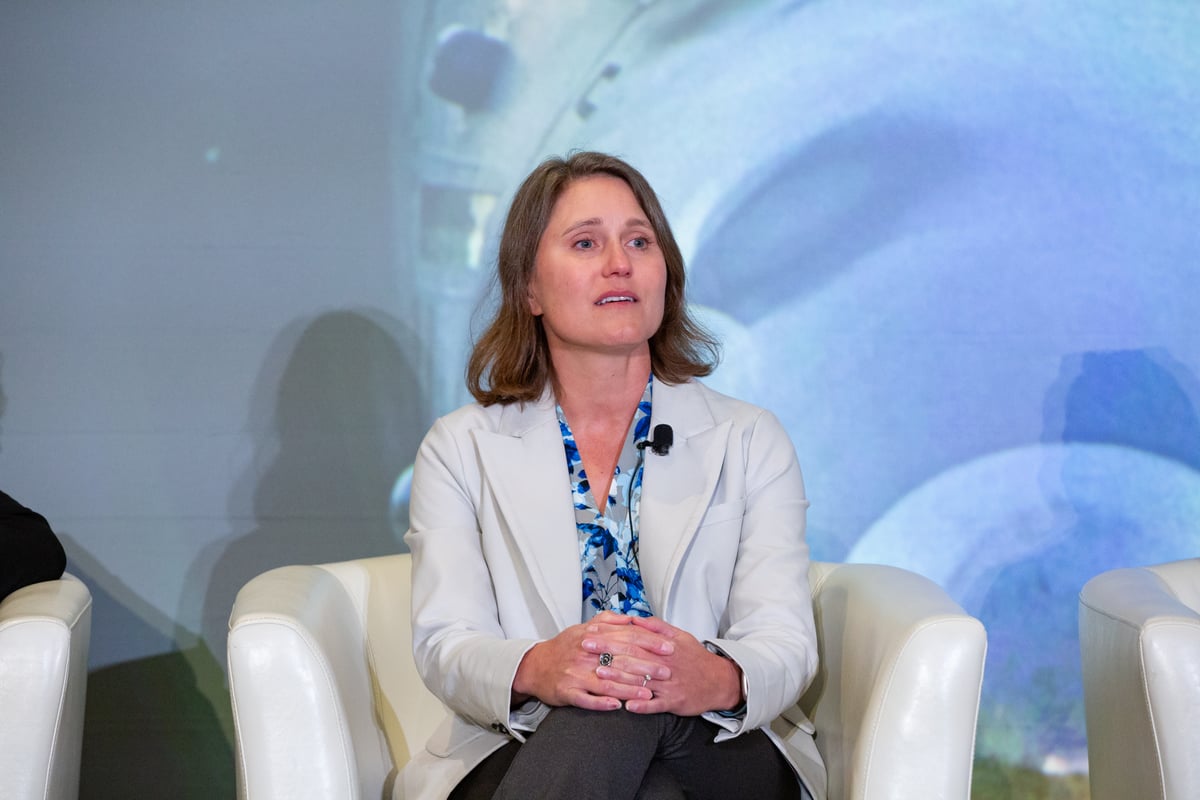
<point x="896" y="697"/>
<point x="1139" y="636"/>
<point x="45" y="632"/>
<point x="381" y="590"/>
<point x="1182" y="580"/>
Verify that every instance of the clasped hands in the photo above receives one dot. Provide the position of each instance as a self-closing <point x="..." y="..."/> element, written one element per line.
<point x="654" y="668"/>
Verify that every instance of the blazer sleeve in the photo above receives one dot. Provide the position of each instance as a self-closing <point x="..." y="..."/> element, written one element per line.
<point x="459" y="646"/>
<point x="29" y="550"/>
<point x="767" y="627"/>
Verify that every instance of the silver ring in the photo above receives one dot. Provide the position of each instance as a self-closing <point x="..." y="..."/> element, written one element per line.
<point x="645" y="680"/>
<point x="605" y="659"/>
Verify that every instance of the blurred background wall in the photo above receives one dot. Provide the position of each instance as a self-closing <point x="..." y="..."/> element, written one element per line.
<point x="242" y="247"/>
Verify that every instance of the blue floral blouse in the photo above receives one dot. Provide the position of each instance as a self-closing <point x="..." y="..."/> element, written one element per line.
<point x="608" y="542"/>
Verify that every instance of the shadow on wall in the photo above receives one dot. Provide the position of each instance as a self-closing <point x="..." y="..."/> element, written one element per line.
<point x="1129" y="431"/>
<point x="1142" y="399"/>
<point x="335" y="417"/>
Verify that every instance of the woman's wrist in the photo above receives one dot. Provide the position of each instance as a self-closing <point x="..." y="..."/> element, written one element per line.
<point x="523" y="684"/>
<point x="731" y="701"/>
<point x="732" y="698"/>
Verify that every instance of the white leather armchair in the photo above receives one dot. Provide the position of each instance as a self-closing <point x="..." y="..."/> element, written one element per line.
<point x="1139" y="636"/>
<point x="327" y="701"/>
<point x="45" y="630"/>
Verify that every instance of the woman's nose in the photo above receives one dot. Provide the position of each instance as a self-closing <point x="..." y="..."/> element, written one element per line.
<point x="618" y="262"/>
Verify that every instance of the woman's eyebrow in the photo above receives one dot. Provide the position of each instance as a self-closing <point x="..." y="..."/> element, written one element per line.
<point x="583" y="223"/>
<point x="632" y="222"/>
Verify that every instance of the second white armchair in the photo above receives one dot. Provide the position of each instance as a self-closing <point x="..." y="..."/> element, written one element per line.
<point x="328" y="703"/>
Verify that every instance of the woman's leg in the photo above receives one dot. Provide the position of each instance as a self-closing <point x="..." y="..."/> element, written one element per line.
<point x="584" y="755"/>
<point x="613" y="755"/>
<point x="481" y="783"/>
<point x="747" y="766"/>
<point x="660" y="784"/>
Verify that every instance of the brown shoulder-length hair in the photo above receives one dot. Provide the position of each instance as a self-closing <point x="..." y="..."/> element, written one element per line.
<point x="510" y="362"/>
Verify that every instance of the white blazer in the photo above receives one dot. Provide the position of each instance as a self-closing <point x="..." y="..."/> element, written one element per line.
<point x="496" y="566"/>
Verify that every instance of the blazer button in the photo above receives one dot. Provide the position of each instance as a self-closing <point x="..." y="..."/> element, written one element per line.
<point x="498" y="728"/>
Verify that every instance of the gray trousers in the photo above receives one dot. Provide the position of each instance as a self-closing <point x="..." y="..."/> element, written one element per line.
<point x="614" y="755"/>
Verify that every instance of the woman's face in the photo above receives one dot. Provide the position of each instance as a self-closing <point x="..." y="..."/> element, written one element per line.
<point x="599" y="277"/>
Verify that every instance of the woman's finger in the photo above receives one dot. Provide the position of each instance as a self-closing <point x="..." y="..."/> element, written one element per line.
<point x="581" y="698"/>
<point x="629" y="641"/>
<point x="655" y="624"/>
<point x="658" y="702"/>
<point x="633" y="671"/>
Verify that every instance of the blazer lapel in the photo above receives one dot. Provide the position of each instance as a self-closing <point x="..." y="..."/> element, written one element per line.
<point x="678" y="486"/>
<point x="525" y="465"/>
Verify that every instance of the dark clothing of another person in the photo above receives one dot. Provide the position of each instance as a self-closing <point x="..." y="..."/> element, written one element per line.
<point x="29" y="550"/>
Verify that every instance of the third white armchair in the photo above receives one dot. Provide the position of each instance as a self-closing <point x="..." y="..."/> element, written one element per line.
<point x="1139" y="631"/>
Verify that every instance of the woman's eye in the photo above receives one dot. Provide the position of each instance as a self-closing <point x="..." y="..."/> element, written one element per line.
<point x="640" y="242"/>
<point x="585" y="244"/>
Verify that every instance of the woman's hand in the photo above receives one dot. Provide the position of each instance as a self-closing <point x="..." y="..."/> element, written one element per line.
<point x="655" y="668"/>
<point x="637" y="652"/>
<point x="566" y="670"/>
<point x="696" y="680"/>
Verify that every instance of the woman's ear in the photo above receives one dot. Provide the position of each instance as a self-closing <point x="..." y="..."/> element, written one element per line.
<point x="531" y="300"/>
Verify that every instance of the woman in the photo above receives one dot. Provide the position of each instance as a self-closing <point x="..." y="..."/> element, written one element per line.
<point x="613" y="643"/>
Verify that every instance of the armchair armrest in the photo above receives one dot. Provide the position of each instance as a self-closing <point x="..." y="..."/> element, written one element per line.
<point x="896" y="696"/>
<point x="299" y="674"/>
<point x="45" y="631"/>
<point x="1140" y="646"/>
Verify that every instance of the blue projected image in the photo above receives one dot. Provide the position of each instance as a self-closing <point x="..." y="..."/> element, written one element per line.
<point x="952" y="248"/>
